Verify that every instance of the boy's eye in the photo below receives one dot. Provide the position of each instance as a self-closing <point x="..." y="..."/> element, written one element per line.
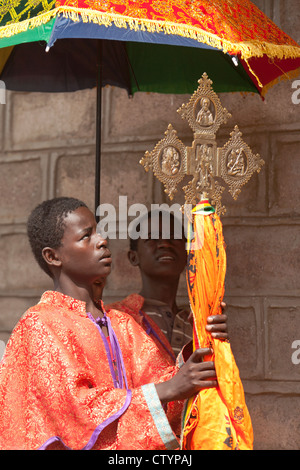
<point x="86" y="235"/>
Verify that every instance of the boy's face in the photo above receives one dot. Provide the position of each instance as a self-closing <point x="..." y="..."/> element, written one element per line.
<point x="161" y="256"/>
<point x="84" y="255"/>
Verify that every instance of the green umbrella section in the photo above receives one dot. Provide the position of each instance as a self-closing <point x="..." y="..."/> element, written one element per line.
<point x="176" y="69"/>
<point x="38" y="33"/>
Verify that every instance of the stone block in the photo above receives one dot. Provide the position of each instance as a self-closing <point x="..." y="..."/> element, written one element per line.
<point x="250" y="111"/>
<point x="288" y="16"/>
<point x="11" y="310"/>
<point x="258" y="255"/>
<point x="2" y="121"/>
<point x="18" y="269"/>
<point x="244" y="328"/>
<point x="150" y="113"/>
<point x="121" y="175"/>
<point x="75" y="177"/>
<point x="285" y="175"/>
<point x="275" y="421"/>
<point x="145" y="116"/>
<point x="21" y="189"/>
<point x="52" y="118"/>
<point x="282" y="330"/>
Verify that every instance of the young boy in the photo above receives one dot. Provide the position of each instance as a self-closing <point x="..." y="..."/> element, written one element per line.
<point x="74" y="377"/>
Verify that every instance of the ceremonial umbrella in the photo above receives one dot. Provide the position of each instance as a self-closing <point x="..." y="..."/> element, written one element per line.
<point x="233" y="42"/>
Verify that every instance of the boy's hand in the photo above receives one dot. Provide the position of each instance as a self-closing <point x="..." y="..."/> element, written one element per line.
<point x="217" y="324"/>
<point x="192" y="377"/>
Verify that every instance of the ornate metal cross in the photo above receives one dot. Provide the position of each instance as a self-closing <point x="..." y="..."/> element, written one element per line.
<point x="171" y="160"/>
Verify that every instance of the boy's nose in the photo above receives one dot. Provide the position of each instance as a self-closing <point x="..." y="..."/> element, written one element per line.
<point x="101" y="241"/>
<point x="164" y="242"/>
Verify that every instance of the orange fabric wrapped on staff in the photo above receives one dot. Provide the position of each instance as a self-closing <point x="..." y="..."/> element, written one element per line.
<point x="217" y="418"/>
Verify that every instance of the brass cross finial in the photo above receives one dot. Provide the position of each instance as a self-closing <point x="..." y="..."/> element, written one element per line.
<point x="171" y="160"/>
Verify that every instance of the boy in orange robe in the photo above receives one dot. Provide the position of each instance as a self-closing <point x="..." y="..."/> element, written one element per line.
<point x="74" y="377"/>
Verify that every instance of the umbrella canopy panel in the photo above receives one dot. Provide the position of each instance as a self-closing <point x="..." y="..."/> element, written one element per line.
<point x="263" y="53"/>
<point x="149" y="63"/>
<point x="69" y="66"/>
<point x="72" y="65"/>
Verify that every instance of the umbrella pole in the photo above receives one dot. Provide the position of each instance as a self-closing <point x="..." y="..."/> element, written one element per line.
<point x="98" y="126"/>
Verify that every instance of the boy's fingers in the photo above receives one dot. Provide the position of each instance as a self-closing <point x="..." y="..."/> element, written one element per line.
<point x="200" y="353"/>
<point x="222" y="318"/>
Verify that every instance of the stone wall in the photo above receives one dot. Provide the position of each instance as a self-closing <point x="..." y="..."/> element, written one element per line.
<point x="47" y="148"/>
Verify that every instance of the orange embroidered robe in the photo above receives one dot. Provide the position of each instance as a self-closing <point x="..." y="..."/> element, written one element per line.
<point x="57" y="385"/>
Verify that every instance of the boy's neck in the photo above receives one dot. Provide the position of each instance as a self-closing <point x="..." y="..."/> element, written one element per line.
<point x="80" y="293"/>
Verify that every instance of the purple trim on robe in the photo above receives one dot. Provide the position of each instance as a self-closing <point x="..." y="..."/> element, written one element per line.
<point x="115" y="354"/>
<point x="107" y="350"/>
<point x="96" y="432"/>
<point x="150" y="330"/>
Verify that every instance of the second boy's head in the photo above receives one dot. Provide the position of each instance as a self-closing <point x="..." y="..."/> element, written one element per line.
<point x="159" y="249"/>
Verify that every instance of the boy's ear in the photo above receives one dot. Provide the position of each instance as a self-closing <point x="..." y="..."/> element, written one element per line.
<point x="133" y="257"/>
<point x="50" y="256"/>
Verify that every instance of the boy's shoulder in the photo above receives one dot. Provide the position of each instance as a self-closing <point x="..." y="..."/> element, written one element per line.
<point x="51" y="305"/>
<point x="132" y="304"/>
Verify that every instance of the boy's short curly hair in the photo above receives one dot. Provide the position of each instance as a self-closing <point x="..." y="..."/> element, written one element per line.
<point x="45" y="226"/>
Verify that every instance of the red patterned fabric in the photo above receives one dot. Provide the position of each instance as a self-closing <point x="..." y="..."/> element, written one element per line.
<point x="235" y="22"/>
<point x="55" y="381"/>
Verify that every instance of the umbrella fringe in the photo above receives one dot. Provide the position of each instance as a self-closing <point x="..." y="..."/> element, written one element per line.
<point x="142" y="24"/>
<point x="259" y="49"/>
<point x="246" y="50"/>
<point x="287" y="76"/>
<point x="16" y="28"/>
